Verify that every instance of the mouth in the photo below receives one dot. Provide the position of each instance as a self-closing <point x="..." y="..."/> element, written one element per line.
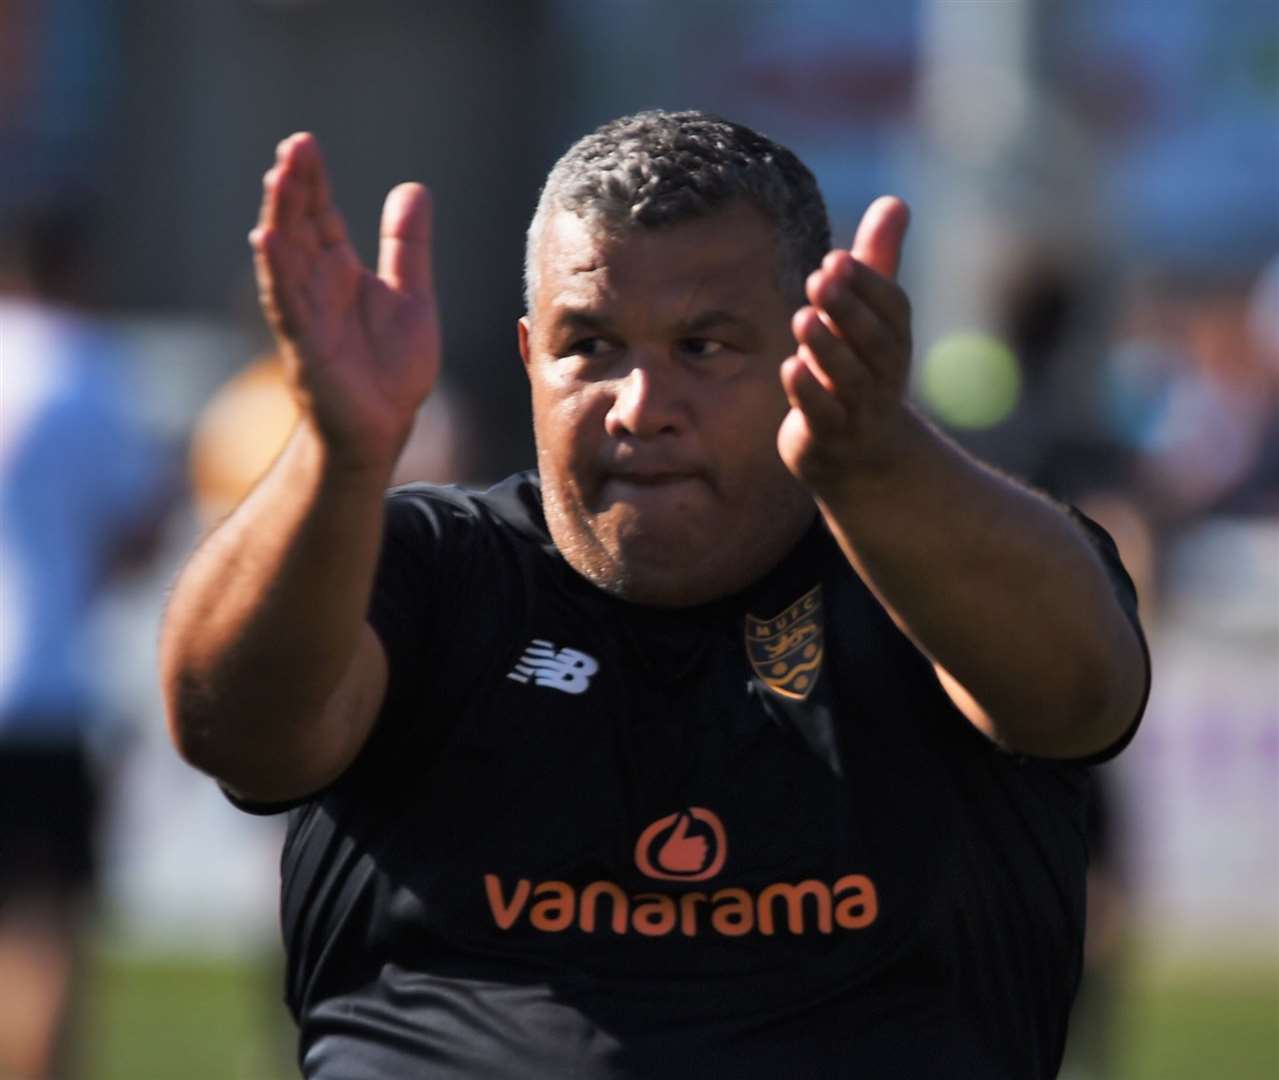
<point x="641" y="487"/>
<point x="650" y="479"/>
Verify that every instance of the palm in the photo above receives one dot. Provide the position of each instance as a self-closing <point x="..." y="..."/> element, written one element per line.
<point x="368" y="353"/>
<point x="362" y="349"/>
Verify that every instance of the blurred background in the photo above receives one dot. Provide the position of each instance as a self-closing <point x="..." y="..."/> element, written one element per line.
<point x="1094" y="262"/>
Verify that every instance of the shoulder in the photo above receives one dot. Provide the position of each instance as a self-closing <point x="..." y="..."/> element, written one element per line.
<point x="447" y="548"/>
<point x="513" y="506"/>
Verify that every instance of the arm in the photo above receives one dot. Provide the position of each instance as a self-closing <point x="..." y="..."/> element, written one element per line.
<point x="994" y="582"/>
<point x="272" y="678"/>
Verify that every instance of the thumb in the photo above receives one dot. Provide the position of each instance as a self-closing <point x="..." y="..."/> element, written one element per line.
<point x="879" y="238"/>
<point x="404" y="252"/>
<point x="681" y="829"/>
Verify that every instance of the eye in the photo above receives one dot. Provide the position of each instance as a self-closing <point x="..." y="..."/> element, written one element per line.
<point x="701" y="348"/>
<point x="587" y="347"/>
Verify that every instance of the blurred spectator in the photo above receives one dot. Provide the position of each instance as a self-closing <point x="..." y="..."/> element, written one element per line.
<point x="247" y="422"/>
<point x="80" y="499"/>
<point x="1189" y="389"/>
<point x="1048" y="301"/>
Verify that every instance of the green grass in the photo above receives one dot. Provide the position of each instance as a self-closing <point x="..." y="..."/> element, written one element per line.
<point x="1200" y="1024"/>
<point x="176" y="1018"/>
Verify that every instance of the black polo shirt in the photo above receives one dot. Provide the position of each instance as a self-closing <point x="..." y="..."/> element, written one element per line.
<point x="590" y="839"/>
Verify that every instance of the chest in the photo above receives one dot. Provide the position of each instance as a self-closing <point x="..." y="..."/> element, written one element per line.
<point x="595" y="758"/>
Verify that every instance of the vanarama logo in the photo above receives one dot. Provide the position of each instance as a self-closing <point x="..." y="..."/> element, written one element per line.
<point x="667" y="851"/>
<point x="690" y="845"/>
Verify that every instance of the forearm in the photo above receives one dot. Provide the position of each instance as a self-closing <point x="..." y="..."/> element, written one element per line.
<point x="266" y="618"/>
<point x="999" y="587"/>
<point x="995" y="583"/>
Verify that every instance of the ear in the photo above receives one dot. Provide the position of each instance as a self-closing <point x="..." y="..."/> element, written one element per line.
<point x="522" y="328"/>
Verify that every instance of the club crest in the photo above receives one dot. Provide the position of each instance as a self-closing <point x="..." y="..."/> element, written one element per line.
<point x="786" y="650"/>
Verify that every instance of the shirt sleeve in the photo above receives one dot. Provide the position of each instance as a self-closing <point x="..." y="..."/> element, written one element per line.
<point x="421" y="578"/>
<point x="424" y="570"/>
<point x="1126" y="594"/>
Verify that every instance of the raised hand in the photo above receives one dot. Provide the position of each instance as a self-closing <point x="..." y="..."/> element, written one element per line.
<point x="361" y="350"/>
<point x="847" y="380"/>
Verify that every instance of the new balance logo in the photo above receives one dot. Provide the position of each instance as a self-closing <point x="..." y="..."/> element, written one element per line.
<point x="561" y="669"/>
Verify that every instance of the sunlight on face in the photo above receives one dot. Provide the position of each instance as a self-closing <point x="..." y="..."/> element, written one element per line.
<point x="653" y="360"/>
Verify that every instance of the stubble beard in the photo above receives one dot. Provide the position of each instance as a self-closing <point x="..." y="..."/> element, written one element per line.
<point x="647" y="570"/>
<point x="591" y="555"/>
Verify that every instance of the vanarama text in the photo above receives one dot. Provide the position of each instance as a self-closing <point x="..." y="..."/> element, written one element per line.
<point x="850" y="903"/>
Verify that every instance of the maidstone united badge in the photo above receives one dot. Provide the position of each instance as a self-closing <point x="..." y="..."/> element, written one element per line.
<point x="786" y="650"/>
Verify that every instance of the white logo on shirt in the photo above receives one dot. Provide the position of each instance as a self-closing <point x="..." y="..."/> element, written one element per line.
<point x="563" y="669"/>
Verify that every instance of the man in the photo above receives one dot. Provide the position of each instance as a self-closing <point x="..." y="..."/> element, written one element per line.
<point x="744" y="739"/>
<point x="81" y="502"/>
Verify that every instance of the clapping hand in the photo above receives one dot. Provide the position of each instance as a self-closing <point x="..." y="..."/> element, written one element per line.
<point x="361" y="350"/>
<point x="847" y="380"/>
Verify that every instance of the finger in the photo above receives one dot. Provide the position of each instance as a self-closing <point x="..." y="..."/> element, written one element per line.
<point x="283" y="201"/>
<point x="404" y="254"/>
<point x="879" y="238"/>
<point x="845" y="318"/>
<point x="279" y="202"/>
<point x="277" y="290"/>
<point x="319" y="207"/>
<point x="296" y="158"/>
<point x="838" y="369"/>
<point x="268" y="212"/>
<point x="883" y="296"/>
<point x="826" y="416"/>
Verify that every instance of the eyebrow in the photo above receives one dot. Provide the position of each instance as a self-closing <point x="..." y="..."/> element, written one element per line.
<point x="580" y="319"/>
<point x="710" y="320"/>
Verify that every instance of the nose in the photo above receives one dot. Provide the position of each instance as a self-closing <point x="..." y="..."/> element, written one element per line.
<point x="645" y="404"/>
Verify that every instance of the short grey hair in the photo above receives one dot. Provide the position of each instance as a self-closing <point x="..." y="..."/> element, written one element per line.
<point x="658" y="168"/>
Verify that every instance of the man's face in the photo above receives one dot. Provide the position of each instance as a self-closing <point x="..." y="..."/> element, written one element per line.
<point x="653" y="359"/>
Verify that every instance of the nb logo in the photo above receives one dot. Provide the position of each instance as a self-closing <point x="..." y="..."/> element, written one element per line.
<point x="561" y="669"/>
